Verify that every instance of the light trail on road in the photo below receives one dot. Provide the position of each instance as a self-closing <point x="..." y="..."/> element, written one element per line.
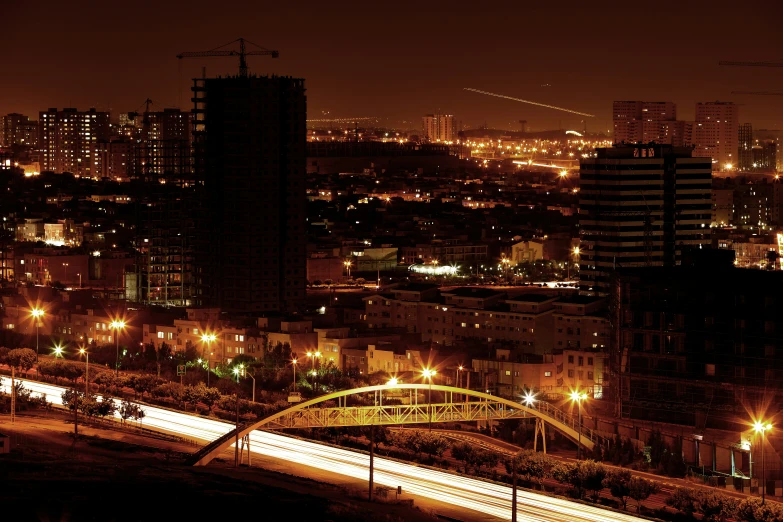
<point x="457" y="491"/>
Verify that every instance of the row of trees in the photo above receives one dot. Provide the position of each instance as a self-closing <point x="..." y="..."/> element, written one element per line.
<point x="714" y="506"/>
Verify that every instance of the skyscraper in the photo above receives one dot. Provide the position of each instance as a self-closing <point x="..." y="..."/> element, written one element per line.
<point x="438" y="127"/>
<point x="249" y="157"/>
<point x="715" y="134"/>
<point x="640" y="206"/>
<point x="69" y="139"/>
<point x="643" y="122"/>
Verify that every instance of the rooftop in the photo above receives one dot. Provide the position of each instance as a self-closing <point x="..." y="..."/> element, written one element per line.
<point x="532" y="298"/>
<point x="477" y="293"/>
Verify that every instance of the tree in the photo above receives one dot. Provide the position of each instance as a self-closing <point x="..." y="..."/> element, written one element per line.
<point x="683" y="499"/>
<point x="752" y="510"/>
<point x="21" y="358"/>
<point x="127" y="410"/>
<point x="591" y="475"/>
<point x="210" y="396"/>
<point x="530" y="466"/>
<point x="640" y="490"/>
<point x="675" y="464"/>
<point x="715" y="507"/>
<point x="193" y="394"/>
<point x="618" y="483"/>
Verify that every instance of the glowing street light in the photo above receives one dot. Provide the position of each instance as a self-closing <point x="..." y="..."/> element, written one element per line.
<point x="578" y="397"/>
<point x="37" y="314"/>
<point x="58" y="351"/>
<point x="347" y="263"/>
<point x="392" y="382"/>
<point x="117" y="325"/>
<point x="293" y="366"/>
<point x="529" y="399"/>
<point x="84" y="352"/>
<point x="762" y="428"/>
<point x="429" y="374"/>
<point x="208" y="339"/>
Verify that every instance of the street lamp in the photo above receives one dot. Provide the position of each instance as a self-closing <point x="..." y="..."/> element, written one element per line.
<point x="84" y="352"/>
<point x="578" y="397"/>
<point x="209" y="339"/>
<point x="347" y="263"/>
<point x="762" y="428"/>
<point x="529" y="399"/>
<point x="392" y="382"/>
<point x="293" y="366"/>
<point x="459" y="375"/>
<point x="58" y="351"/>
<point x="117" y="325"/>
<point x="66" y="272"/>
<point x="576" y="256"/>
<point x="37" y="313"/>
<point x="429" y="374"/>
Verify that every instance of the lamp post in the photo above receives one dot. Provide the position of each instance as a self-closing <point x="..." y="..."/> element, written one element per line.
<point x="429" y="374"/>
<point x="117" y="325"/>
<point x="58" y="351"/>
<point x="37" y="314"/>
<point x="293" y="367"/>
<point x="762" y="428"/>
<point x="66" y="272"/>
<point x="576" y="256"/>
<point x="347" y="263"/>
<point x="209" y="339"/>
<point x="578" y="397"/>
<point x="459" y="375"/>
<point x="86" y="372"/>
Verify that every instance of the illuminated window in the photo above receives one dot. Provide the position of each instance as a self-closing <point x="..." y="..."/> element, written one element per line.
<point x="160" y="335"/>
<point x="547" y="374"/>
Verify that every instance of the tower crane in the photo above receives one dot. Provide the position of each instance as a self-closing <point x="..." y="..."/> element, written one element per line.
<point x="242" y="53"/>
<point x="750" y="64"/>
<point x="759" y="93"/>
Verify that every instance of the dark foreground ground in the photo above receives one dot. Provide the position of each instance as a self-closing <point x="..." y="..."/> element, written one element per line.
<point x="48" y="479"/>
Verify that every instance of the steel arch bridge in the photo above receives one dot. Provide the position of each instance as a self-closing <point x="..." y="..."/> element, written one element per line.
<point x="460" y="405"/>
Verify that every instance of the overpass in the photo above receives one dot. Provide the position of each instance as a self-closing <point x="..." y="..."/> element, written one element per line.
<point x="459" y="405"/>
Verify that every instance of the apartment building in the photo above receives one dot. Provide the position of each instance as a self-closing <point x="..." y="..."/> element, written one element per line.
<point x="526" y="322"/>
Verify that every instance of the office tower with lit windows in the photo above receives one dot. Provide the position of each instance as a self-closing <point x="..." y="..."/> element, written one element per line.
<point x="19" y="131"/>
<point x="68" y="140"/>
<point x="438" y="127"/>
<point x="716" y="134"/>
<point x="640" y="205"/>
<point x="249" y="138"/>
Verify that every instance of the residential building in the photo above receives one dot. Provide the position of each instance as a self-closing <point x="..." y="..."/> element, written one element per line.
<point x="438" y="127"/>
<point x="249" y="153"/>
<point x="722" y="207"/>
<point x="464" y="315"/>
<point x="552" y="376"/>
<point x="715" y="134"/>
<point x="19" y="131"/>
<point x="114" y="159"/>
<point x="644" y="122"/>
<point x="745" y="150"/>
<point x="69" y="140"/>
<point x="699" y="345"/>
<point x="163" y="153"/>
<point x="639" y="206"/>
<point x="527" y="251"/>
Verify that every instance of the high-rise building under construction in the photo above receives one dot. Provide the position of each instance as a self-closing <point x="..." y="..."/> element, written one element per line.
<point x="249" y="135"/>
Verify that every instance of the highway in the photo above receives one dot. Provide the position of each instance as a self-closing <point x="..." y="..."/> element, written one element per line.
<point x="456" y="490"/>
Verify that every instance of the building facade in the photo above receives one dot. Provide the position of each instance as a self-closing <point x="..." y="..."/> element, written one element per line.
<point x="69" y="140"/>
<point x="438" y="127"/>
<point x="639" y="206"/>
<point x="19" y="131"/>
<point x="249" y="152"/>
<point x="716" y="134"/>
<point x="645" y="122"/>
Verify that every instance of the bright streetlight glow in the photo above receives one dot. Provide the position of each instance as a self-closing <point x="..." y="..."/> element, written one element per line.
<point x="428" y="373"/>
<point x="760" y="427"/>
<point x="58" y="351"/>
<point x="37" y="312"/>
<point x="529" y="399"/>
<point x="392" y="381"/>
<point x="208" y="338"/>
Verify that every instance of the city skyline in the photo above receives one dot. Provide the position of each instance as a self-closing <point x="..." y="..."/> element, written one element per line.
<point x="350" y="75"/>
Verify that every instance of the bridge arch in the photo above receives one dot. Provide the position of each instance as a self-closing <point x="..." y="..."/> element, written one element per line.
<point x="487" y="407"/>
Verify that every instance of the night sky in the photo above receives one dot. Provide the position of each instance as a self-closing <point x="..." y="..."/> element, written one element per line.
<point x="399" y="60"/>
